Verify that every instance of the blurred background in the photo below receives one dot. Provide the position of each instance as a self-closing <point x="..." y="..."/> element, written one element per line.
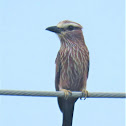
<point x="28" y="52"/>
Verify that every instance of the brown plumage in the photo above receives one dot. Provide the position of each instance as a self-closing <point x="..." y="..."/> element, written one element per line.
<point x="72" y="65"/>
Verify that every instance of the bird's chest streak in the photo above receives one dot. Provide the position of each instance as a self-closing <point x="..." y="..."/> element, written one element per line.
<point x="72" y="69"/>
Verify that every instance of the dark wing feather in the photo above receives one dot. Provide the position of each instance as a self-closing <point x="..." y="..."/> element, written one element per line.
<point x="58" y="69"/>
<point x="88" y="68"/>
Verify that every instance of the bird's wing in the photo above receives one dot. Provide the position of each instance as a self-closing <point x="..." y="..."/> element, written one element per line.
<point x="58" y="69"/>
<point x="88" y="64"/>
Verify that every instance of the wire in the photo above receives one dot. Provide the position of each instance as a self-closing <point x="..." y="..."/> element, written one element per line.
<point x="61" y="94"/>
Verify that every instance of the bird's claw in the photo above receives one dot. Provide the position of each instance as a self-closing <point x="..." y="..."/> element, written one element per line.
<point x="66" y="93"/>
<point x="84" y="94"/>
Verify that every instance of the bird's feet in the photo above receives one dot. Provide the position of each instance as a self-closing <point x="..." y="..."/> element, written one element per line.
<point x="84" y="94"/>
<point x="66" y="93"/>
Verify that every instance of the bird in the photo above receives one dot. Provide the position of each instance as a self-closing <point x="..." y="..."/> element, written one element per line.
<point x="72" y="66"/>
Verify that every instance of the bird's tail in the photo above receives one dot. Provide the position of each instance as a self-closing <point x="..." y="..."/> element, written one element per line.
<point x="67" y="108"/>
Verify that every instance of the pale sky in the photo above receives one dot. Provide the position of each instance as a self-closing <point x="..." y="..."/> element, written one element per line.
<point x="28" y="52"/>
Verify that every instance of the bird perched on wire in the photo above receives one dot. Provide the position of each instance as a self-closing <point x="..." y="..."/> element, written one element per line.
<point x="72" y="65"/>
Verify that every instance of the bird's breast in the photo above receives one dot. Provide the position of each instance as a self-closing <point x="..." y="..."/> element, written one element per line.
<point x="72" y="68"/>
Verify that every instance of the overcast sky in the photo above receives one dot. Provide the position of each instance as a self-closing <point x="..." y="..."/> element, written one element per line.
<point x="28" y="52"/>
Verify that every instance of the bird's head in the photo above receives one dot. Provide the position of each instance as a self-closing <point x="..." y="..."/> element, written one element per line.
<point x="68" y="30"/>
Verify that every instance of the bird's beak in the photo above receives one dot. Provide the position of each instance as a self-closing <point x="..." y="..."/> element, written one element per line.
<point x="54" y="29"/>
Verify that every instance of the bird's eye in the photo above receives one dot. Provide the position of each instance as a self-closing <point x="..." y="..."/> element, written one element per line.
<point x="70" y="27"/>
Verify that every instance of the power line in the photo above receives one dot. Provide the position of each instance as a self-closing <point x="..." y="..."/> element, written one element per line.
<point x="61" y="94"/>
